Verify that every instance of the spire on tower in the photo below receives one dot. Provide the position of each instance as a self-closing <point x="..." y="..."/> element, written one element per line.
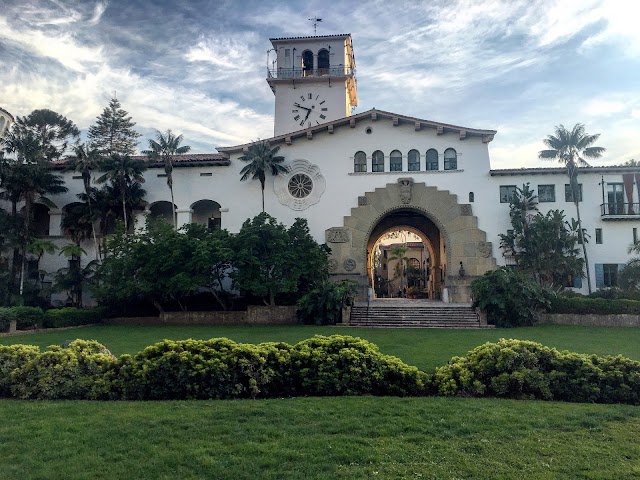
<point x="315" y="21"/>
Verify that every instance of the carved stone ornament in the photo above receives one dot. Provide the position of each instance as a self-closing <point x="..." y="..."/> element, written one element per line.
<point x="465" y="210"/>
<point x="332" y="265"/>
<point x="405" y="190"/>
<point x="301" y="187"/>
<point x="349" y="264"/>
<point x="484" y="249"/>
<point x="362" y="200"/>
<point x="337" y="235"/>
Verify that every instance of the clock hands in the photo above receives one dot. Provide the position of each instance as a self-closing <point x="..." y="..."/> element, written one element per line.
<point x="308" y="113"/>
<point x="300" y="106"/>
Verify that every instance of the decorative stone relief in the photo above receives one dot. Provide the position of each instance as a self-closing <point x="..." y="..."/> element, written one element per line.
<point x="465" y="210"/>
<point x="349" y="264"/>
<point x="332" y="265"/>
<point x="405" y="190"/>
<point x="337" y="235"/>
<point x="484" y="249"/>
<point x="362" y="201"/>
<point x="301" y="187"/>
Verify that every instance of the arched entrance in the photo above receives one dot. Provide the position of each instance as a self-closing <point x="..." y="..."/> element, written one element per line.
<point x="448" y="227"/>
<point x="404" y="252"/>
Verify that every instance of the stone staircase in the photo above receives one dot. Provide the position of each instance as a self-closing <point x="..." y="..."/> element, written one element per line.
<point x="403" y="313"/>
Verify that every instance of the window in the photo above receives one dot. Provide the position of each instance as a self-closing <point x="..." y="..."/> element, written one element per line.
<point x="610" y="272"/>
<point x="568" y="196"/>
<point x="615" y="198"/>
<point x="395" y="161"/>
<point x="377" y="161"/>
<point x="546" y="193"/>
<point x="323" y="62"/>
<point x="360" y="162"/>
<point x="414" y="263"/>
<point x="300" y="185"/>
<point x="471" y="197"/>
<point x="506" y="193"/>
<point x="450" y="159"/>
<point x="307" y="63"/>
<point x="635" y="235"/>
<point x="414" y="161"/>
<point x="432" y="159"/>
<point x="598" y="235"/>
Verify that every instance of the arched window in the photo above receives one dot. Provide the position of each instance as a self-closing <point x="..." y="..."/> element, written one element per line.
<point x="450" y="159"/>
<point x="323" y="62"/>
<point x="360" y="162"/>
<point x="395" y="161"/>
<point x="377" y="161"/>
<point x="307" y="63"/>
<point x="471" y="197"/>
<point x="414" y="160"/>
<point x="414" y="263"/>
<point x="432" y="159"/>
<point x="207" y="213"/>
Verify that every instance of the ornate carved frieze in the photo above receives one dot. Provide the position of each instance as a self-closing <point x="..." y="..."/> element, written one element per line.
<point x="405" y="190"/>
<point x="349" y="264"/>
<point x="362" y="201"/>
<point x="337" y="235"/>
<point x="465" y="210"/>
<point x="332" y="265"/>
<point x="484" y="249"/>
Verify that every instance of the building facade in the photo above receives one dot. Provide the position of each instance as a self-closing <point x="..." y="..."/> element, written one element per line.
<point x="356" y="177"/>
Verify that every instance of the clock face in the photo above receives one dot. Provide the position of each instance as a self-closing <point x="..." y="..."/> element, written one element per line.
<point x="309" y="109"/>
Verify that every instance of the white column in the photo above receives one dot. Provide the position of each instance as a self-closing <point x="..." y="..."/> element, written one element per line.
<point x="55" y="220"/>
<point x="184" y="216"/>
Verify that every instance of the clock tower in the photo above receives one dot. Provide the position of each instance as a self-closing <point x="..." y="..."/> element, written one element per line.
<point x="313" y="80"/>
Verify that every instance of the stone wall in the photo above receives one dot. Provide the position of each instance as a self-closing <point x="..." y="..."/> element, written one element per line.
<point x="591" y="320"/>
<point x="255" y="315"/>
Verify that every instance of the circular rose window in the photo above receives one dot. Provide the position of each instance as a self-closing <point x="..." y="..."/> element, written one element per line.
<point x="300" y="185"/>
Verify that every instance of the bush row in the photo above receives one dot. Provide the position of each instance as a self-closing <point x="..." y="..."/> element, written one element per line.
<point x="320" y="366"/>
<point x="34" y="317"/>
<point x="527" y="370"/>
<point x="197" y="369"/>
<point x="585" y="305"/>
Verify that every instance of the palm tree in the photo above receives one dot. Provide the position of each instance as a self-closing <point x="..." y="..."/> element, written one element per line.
<point x="400" y="254"/>
<point x="571" y="148"/>
<point x="86" y="160"/>
<point x="123" y="172"/>
<point x="163" y="149"/>
<point x="262" y="158"/>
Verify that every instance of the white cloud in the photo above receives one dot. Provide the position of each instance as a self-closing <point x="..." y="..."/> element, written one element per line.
<point x="98" y="11"/>
<point x="603" y="108"/>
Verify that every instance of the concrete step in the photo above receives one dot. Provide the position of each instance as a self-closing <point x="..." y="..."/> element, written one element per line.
<point x="400" y="313"/>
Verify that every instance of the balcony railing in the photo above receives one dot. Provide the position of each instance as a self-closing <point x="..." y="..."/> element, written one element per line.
<point x="620" y="210"/>
<point x="339" y="71"/>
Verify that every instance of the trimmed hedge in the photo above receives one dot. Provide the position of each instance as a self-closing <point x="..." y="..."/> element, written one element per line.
<point x="527" y="370"/>
<point x="71" y="317"/>
<point x="585" y="305"/>
<point x="337" y="365"/>
<point x="25" y="317"/>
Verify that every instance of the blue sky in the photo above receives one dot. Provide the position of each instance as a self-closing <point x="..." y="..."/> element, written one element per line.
<point x="199" y="67"/>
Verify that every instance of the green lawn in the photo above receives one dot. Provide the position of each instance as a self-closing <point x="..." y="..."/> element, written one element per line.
<point x="324" y="438"/>
<point x="425" y="348"/>
<point x="319" y="438"/>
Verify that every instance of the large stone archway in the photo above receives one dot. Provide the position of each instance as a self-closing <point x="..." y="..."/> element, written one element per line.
<point x="463" y="240"/>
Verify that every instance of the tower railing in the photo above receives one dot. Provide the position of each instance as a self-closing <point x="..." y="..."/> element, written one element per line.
<point x="337" y="71"/>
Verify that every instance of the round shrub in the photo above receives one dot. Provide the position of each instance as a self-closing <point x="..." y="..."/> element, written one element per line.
<point x="74" y="372"/>
<point x="527" y="370"/>
<point x="343" y="365"/>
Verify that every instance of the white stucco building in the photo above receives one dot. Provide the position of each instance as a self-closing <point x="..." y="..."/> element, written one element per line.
<point x="356" y="177"/>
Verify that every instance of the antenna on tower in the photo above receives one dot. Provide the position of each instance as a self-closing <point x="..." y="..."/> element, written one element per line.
<point x="315" y="21"/>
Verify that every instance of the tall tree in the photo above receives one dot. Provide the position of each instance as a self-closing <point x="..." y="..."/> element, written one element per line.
<point x="163" y="149"/>
<point x="86" y="159"/>
<point x="113" y="131"/>
<point x="54" y="132"/>
<point x="399" y="253"/>
<point x="261" y="158"/>
<point x="571" y="148"/>
<point x="124" y="173"/>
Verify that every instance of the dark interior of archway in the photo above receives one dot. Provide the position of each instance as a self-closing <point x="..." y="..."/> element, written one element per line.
<point x="407" y="218"/>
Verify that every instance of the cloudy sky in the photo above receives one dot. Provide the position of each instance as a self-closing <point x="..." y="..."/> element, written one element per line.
<point x="198" y="67"/>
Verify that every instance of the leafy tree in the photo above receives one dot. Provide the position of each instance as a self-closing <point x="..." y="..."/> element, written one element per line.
<point x="510" y="298"/>
<point x="270" y="260"/>
<point x="53" y="131"/>
<point x="399" y="253"/>
<point x="113" y="131"/>
<point x="73" y="278"/>
<point x="163" y="149"/>
<point x="571" y="148"/>
<point x="323" y="305"/>
<point x="261" y="158"/>
<point x="631" y="163"/>
<point x="124" y="173"/>
<point x="544" y="246"/>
